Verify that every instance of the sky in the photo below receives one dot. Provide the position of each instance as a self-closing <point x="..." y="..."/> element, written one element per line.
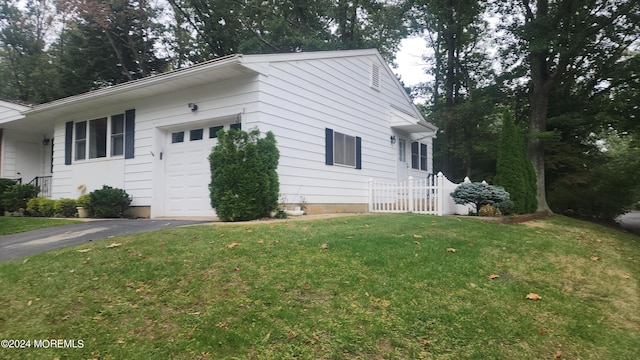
<point x="411" y="66"/>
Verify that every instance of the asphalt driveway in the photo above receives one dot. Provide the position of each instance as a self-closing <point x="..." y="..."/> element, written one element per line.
<point x="36" y="241"/>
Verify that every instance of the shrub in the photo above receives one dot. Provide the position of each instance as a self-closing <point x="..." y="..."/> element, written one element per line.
<point x="479" y="194"/>
<point x="244" y="182"/>
<point x="4" y="185"/>
<point x="15" y="197"/>
<point x="42" y="207"/>
<point x="66" y="208"/>
<point x="513" y="169"/>
<point x="109" y="202"/>
<point x="489" y="210"/>
<point x="84" y="201"/>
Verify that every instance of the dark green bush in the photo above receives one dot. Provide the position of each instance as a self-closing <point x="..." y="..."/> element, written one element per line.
<point x="4" y="185"/>
<point x="244" y="182"/>
<point x="15" y="197"/>
<point x="480" y="194"/>
<point x="66" y="208"/>
<point x="109" y="202"/>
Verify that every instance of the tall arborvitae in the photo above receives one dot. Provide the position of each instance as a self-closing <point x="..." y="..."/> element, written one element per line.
<point x="513" y="170"/>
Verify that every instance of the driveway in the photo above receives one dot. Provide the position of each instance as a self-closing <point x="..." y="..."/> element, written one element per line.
<point x="630" y="221"/>
<point x="36" y="241"/>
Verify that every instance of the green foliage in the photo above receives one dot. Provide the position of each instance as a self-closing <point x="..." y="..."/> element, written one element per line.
<point x="109" y="202"/>
<point x="15" y="197"/>
<point x="244" y="182"/>
<point x="4" y="185"/>
<point x="65" y="208"/>
<point x="479" y="194"/>
<point x="41" y="207"/>
<point x="84" y="201"/>
<point x="513" y="170"/>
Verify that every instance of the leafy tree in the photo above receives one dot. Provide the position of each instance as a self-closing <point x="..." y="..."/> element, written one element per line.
<point x="244" y="182"/>
<point x="513" y="170"/>
<point x="559" y="40"/>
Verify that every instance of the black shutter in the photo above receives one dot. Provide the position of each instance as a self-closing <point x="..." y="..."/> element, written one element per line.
<point x="68" y="142"/>
<point x="129" y="133"/>
<point x="358" y="152"/>
<point x="328" y="144"/>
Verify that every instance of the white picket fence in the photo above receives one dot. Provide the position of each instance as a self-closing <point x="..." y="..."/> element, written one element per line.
<point x="428" y="195"/>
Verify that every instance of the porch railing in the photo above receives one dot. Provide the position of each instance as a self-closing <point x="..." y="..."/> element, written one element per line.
<point x="44" y="183"/>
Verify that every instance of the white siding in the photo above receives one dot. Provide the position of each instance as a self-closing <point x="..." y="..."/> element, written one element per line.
<point x="300" y="99"/>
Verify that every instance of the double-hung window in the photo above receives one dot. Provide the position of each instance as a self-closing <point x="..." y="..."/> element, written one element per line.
<point x="343" y="149"/>
<point x="419" y="156"/>
<point x="117" y="135"/>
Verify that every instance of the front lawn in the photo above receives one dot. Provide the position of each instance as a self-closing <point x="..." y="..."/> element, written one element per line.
<point x="12" y="225"/>
<point x="365" y="287"/>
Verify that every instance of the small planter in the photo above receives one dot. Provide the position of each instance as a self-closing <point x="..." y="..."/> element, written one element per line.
<point x="82" y="212"/>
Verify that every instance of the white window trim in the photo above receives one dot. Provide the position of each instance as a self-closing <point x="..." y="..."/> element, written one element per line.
<point x="87" y="140"/>
<point x="335" y="148"/>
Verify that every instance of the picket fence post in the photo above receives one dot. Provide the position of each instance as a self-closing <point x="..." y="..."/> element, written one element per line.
<point x="441" y="194"/>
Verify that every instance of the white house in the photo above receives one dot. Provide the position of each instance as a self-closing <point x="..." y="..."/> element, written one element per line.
<point x="340" y="118"/>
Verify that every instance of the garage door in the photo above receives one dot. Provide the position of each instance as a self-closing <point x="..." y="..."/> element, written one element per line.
<point x="187" y="173"/>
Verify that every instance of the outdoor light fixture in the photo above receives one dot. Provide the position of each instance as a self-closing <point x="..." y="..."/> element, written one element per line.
<point x="393" y="139"/>
<point x="193" y="107"/>
<point x="45" y="141"/>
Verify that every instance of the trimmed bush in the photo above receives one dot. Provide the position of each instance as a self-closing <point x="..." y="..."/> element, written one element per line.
<point x="15" y="197"/>
<point x="109" y="202"/>
<point x="479" y="194"/>
<point x="40" y="207"/>
<point x="66" y="208"/>
<point x="4" y="185"/>
<point x="244" y="182"/>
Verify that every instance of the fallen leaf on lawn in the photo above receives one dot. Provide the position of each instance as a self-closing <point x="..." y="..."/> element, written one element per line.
<point x="557" y="355"/>
<point x="595" y="258"/>
<point x="426" y="343"/>
<point x="25" y="261"/>
<point x="232" y="245"/>
<point x="316" y="337"/>
<point x="306" y="287"/>
<point x="542" y="331"/>
<point x="29" y="303"/>
<point x="291" y="334"/>
<point x="626" y="276"/>
<point x="417" y="242"/>
<point x="237" y="269"/>
<point x="472" y="244"/>
<point x="451" y="250"/>
<point x="494" y="276"/>
<point x="366" y="293"/>
<point x="533" y="296"/>
<point x="324" y="246"/>
<point x="417" y="236"/>
<point x="162" y="245"/>
<point x="223" y="325"/>
<point x="84" y="250"/>
<point x="113" y="245"/>
<point x="249" y="230"/>
<point x="266" y="337"/>
<point x="260" y="241"/>
<point x="120" y="341"/>
<point x="87" y="261"/>
<point x="598" y="240"/>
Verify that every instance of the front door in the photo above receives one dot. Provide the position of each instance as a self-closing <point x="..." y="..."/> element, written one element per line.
<point x="403" y="165"/>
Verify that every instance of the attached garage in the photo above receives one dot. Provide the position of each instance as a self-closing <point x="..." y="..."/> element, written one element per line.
<point x="187" y="170"/>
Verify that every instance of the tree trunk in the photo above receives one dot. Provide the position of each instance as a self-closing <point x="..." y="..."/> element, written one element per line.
<point x="539" y="100"/>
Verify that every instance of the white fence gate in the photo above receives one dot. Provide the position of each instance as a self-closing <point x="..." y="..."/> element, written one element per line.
<point x="428" y="195"/>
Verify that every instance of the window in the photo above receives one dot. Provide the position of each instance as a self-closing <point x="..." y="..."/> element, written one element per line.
<point x="402" y="150"/>
<point x="117" y="135"/>
<point x="196" y="134"/>
<point x="177" y="137"/>
<point x="100" y="138"/>
<point x="419" y="156"/>
<point x="213" y="131"/>
<point x="342" y="149"/>
<point x="81" y="140"/>
<point x="237" y="126"/>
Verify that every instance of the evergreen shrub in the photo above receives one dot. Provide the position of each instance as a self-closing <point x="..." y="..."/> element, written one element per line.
<point x="42" y="207"/>
<point x="244" y="182"/>
<point x="109" y="202"/>
<point x="4" y="185"/>
<point x="480" y="194"/>
<point x="16" y="196"/>
<point x="66" y="208"/>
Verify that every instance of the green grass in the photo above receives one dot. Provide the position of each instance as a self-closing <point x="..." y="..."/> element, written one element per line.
<point x="12" y="225"/>
<point x="384" y="288"/>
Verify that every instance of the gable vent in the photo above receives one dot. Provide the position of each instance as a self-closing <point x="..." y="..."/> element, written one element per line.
<point x="375" y="77"/>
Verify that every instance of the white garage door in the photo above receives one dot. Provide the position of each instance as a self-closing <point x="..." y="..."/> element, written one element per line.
<point x="187" y="173"/>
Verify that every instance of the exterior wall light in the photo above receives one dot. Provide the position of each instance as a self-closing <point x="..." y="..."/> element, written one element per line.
<point x="193" y="107"/>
